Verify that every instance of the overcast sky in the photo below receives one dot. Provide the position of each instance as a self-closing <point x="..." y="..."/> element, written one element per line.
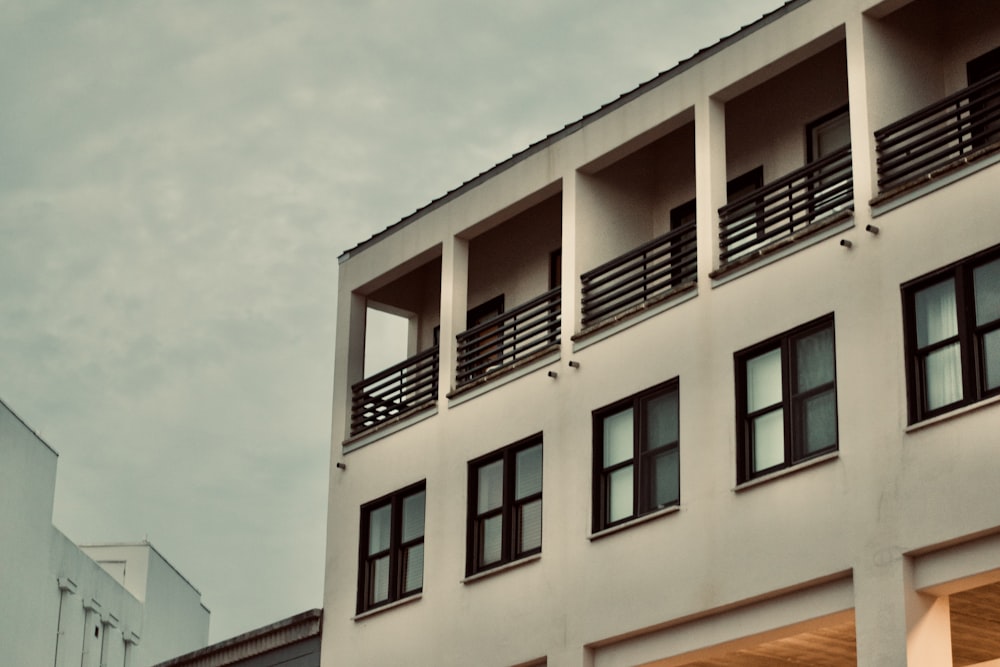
<point x="177" y="179"/>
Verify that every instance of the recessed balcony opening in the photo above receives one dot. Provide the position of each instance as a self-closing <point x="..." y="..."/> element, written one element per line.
<point x="514" y="277"/>
<point x="943" y="71"/>
<point x="788" y="157"/>
<point x="641" y="209"/>
<point x="400" y="348"/>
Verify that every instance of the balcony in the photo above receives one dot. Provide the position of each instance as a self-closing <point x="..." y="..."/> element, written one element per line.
<point x="640" y="276"/>
<point x="938" y="137"/>
<point x="513" y="336"/>
<point x="786" y="209"/>
<point x="397" y="391"/>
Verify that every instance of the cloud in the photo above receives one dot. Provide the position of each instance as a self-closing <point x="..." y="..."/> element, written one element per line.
<point x="178" y="180"/>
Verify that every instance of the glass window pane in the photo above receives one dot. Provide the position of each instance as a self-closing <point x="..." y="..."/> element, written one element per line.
<point x="491" y="540"/>
<point x="665" y="480"/>
<point x="937" y="318"/>
<point x="528" y="466"/>
<point x="620" y="485"/>
<point x="764" y="380"/>
<point x="413" y="516"/>
<point x="814" y="360"/>
<point x="987" y="281"/>
<point x="943" y="377"/>
<point x="618" y="437"/>
<point x="831" y="136"/>
<point x="768" y="440"/>
<point x="490" y="486"/>
<point x="661" y="420"/>
<point x="379" y="523"/>
<point x="819" y="422"/>
<point x="530" y="526"/>
<point x="991" y="354"/>
<point x="413" y="568"/>
<point x="379" y="580"/>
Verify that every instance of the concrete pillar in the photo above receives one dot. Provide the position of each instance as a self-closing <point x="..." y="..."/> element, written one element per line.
<point x="858" y="36"/>
<point x="349" y="357"/>
<point x="895" y="625"/>
<point x="90" y="645"/>
<point x="571" y="294"/>
<point x="710" y="180"/>
<point x="454" y="305"/>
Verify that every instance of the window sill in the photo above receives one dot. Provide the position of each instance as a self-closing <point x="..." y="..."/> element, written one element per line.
<point x="645" y="518"/>
<point x="479" y="576"/>
<point x="784" y="472"/>
<point x="388" y="427"/>
<point x="619" y="322"/>
<point x="392" y="605"/>
<point x="810" y="236"/>
<point x="953" y="414"/>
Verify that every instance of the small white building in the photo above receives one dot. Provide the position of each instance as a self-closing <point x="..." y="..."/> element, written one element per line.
<point x="67" y="606"/>
<point x="709" y="377"/>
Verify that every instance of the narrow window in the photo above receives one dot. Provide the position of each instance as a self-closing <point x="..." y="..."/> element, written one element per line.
<point x="787" y="399"/>
<point x="392" y="548"/>
<point x="505" y="505"/>
<point x="636" y="456"/>
<point x="953" y="336"/>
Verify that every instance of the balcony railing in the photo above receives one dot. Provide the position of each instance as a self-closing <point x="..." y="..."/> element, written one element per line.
<point x="511" y="336"/>
<point x="398" y="390"/>
<point x="937" y="135"/>
<point x="642" y="274"/>
<point x="787" y="206"/>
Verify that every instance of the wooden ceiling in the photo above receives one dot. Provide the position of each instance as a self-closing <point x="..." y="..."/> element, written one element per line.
<point x="975" y="638"/>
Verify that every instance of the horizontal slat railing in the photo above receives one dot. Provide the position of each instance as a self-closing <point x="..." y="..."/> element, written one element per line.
<point x="399" y="389"/>
<point x="939" y="134"/>
<point x="786" y="206"/>
<point x="513" y="335"/>
<point x="641" y="274"/>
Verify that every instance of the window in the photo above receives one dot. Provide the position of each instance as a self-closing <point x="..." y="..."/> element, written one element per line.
<point x="828" y="134"/>
<point x="505" y="505"/>
<point x="953" y="336"/>
<point x="636" y="456"/>
<point x="984" y="125"/>
<point x="392" y="548"/>
<point x="786" y="397"/>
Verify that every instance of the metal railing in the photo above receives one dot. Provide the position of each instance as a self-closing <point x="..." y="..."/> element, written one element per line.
<point x="786" y="206"/>
<point x="933" y="137"/>
<point x="644" y="273"/>
<point x="510" y="336"/>
<point x="399" y="389"/>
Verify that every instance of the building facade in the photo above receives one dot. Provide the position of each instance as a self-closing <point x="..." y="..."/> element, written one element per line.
<point x="69" y="606"/>
<point x="709" y="377"/>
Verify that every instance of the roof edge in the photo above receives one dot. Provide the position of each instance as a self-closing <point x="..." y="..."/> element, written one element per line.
<point x="623" y="99"/>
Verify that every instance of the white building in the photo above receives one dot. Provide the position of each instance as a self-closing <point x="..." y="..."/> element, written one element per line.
<point x="67" y="606"/>
<point x="709" y="377"/>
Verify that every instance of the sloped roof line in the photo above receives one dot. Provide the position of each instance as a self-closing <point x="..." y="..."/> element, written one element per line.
<point x="658" y="80"/>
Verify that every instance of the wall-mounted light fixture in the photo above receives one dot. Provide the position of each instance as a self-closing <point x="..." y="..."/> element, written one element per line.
<point x="341" y="465"/>
<point x="872" y="229"/>
<point x="574" y="364"/>
<point x="553" y="375"/>
<point x="847" y="244"/>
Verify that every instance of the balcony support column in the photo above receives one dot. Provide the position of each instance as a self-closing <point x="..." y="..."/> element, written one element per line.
<point x="349" y="357"/>
<point x="710" y="180"/>
<point x="572" y="296"/>
<point x="896" y="624"/>
<point x="859" y="38"/>
<point x="454" y="305"/>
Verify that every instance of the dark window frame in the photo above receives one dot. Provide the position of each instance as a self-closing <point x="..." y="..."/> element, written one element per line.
<point x="510" y="550"/>
<point x="640" y="459"/>
<point x="396" y="550"/>
<point x="791" y="401"/>
<point x="970" y="337"/>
